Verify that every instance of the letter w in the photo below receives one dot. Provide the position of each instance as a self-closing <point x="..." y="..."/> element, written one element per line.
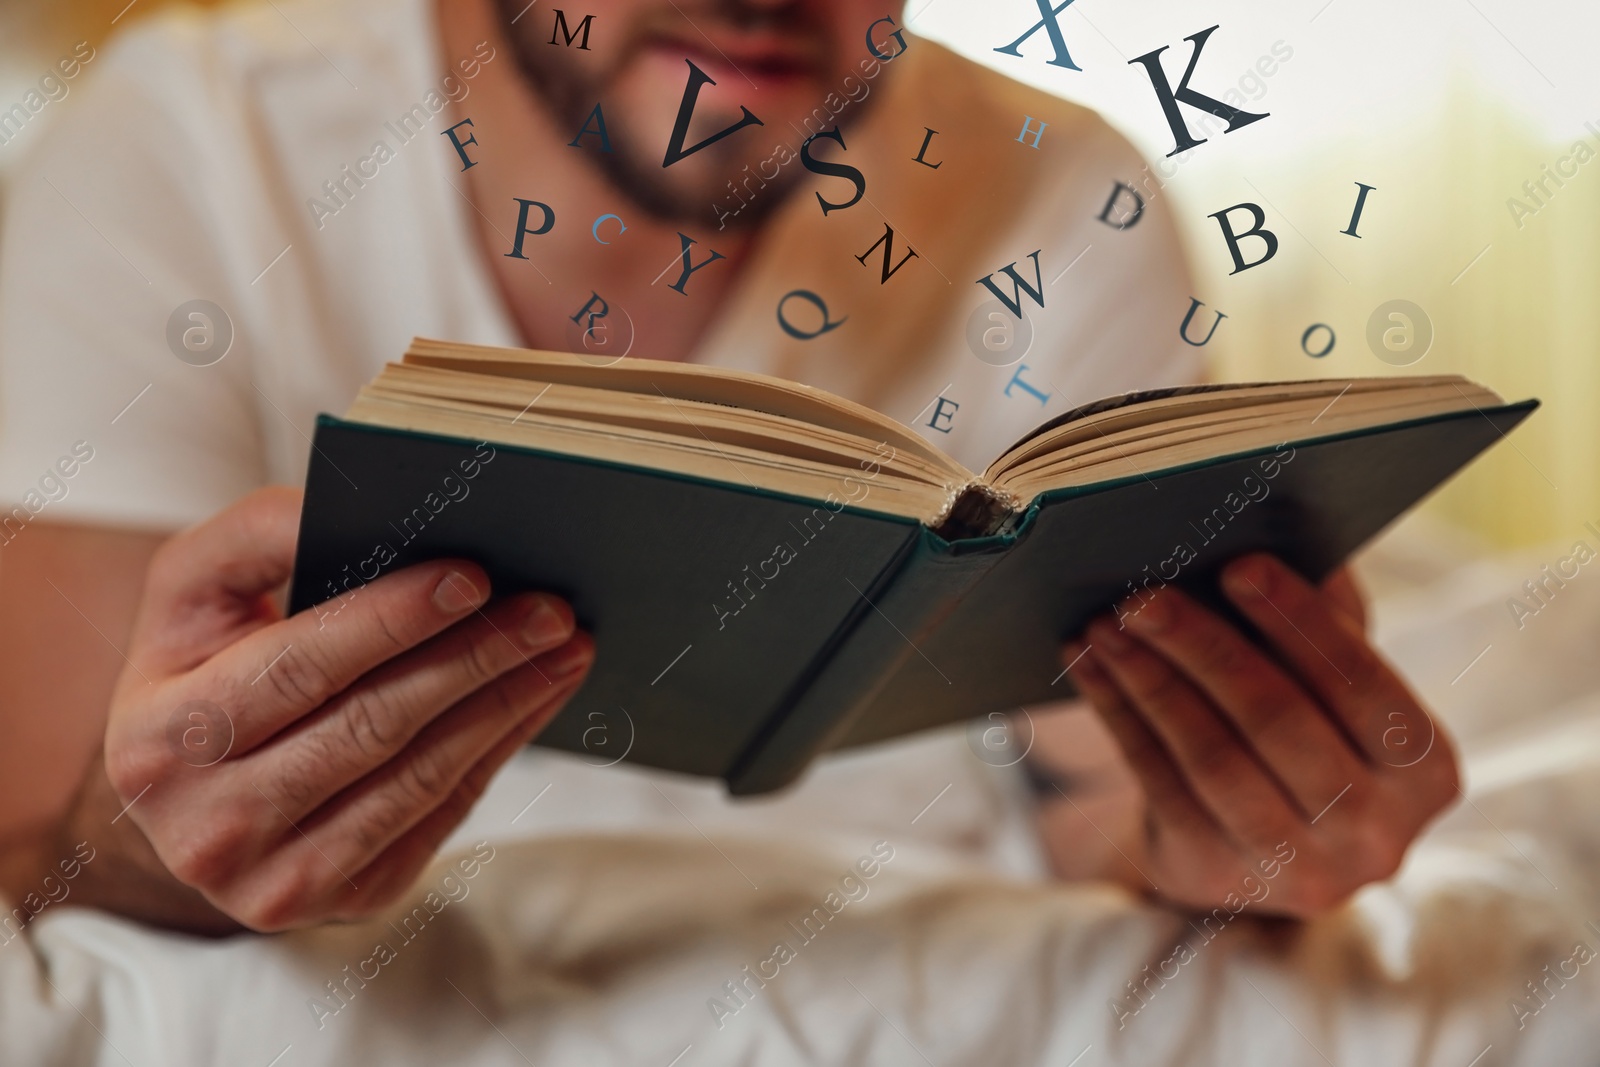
<point x="1018" y="286"/>
<point x="887" y="241"/>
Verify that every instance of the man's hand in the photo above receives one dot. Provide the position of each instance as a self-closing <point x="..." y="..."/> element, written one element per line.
<point x="299" y="770"/>
<point x="1289" y="777"/>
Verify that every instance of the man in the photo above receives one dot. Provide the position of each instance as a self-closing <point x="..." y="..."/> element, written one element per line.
<point x="790" y="186"/>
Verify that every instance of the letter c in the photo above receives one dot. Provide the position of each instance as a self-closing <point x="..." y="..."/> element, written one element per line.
<point x="594" y="231"/>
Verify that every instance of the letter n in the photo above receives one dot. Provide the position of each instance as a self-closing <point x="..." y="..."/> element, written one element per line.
<point x="887" y="241"/>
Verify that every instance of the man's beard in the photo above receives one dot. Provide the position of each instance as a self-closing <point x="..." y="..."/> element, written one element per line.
<point x="629" y="166"/>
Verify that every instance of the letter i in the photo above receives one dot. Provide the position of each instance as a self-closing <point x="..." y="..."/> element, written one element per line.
<point x="1355" y="217"/>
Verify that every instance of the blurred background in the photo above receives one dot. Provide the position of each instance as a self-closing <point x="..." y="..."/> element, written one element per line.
<point x="1445" y="107"/>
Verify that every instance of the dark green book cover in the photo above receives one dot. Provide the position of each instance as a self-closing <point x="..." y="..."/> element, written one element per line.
<point x="741" y="633"/>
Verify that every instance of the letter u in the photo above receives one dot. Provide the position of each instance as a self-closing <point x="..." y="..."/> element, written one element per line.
<point x="1183" y="331"/>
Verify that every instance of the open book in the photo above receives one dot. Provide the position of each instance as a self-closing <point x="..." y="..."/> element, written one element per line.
<point x="771" y="571"/>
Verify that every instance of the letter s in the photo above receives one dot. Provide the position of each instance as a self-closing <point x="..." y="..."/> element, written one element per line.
<point x="83" y="450"/>
<point x="78" y="51"/>
<point x="839" y="170"/>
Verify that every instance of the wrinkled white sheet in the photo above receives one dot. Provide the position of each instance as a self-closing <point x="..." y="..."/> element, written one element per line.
<point x="618" y="904"/>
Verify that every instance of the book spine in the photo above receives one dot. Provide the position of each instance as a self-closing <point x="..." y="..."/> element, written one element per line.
<point x="904" y="605"/>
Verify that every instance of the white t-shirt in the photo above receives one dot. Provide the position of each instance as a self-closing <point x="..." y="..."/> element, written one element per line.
<point x="184" y="171"/>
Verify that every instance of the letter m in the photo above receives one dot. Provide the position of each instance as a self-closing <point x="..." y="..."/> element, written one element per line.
<point x="18" y="516"/>
<point x="887" y="241"/>
<point x="18" y="115"/>
<point x="1018" y="286"/>
<point x="568" y="34"/>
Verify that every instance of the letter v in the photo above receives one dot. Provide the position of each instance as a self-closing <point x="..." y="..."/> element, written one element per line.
<point x="680" y="128"/>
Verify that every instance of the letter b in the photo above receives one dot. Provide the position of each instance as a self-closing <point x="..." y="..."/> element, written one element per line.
<point x="1257" y="229"/>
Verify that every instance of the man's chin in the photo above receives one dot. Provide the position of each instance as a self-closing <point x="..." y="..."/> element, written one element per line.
<point x="702" y="197"/>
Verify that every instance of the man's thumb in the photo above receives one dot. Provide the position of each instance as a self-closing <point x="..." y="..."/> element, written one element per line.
<point x="210" y="585"/>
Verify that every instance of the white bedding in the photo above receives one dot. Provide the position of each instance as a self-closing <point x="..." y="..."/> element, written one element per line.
<point x="617" y="906"/>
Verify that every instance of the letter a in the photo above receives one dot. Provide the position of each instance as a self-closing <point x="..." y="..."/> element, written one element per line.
<point x="1520" y="611"/>
<point x="1047" y="22"/>
<point x="1257" y="229"/>
<point x="598" y="119"/>
<point x="1018" y="286"/>
<point x="680" y="128"/>
<point x="720" y="1011"/>
<point x="1170" y="98"/>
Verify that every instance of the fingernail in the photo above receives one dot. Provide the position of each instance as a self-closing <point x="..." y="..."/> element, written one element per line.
<point x="544" y="625"/>
<point x="1248" y="578"/>
<point x="568" y="659"/>
<point x="456" y="593"/>
<point x="1153" y="617"/>
<point x="1109" y="638"/>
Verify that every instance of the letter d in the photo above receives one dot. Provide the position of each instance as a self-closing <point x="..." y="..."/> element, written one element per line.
<point x="1123" y="221"/>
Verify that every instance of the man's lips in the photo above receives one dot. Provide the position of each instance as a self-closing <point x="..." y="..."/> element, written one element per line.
<point x="751" y="55"/>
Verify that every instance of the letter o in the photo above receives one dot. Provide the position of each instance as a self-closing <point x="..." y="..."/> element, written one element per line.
<point x="1305" y="340"/>
<point x="821" y="305"/>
